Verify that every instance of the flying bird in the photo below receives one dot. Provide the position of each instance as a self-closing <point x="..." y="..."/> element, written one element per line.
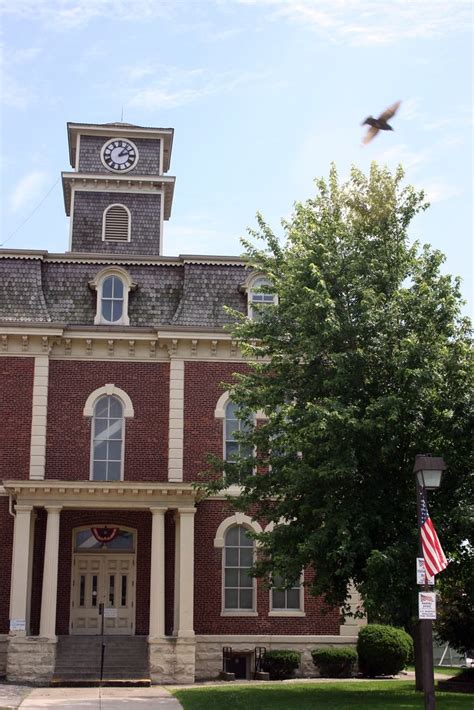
<point x="380" y="123"/>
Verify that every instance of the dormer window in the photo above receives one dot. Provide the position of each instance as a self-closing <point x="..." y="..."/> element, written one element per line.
<point x="258" y="296"/>
<point x="116" y="224"/>
<point x="112" y="299"/>
<point x="113" y="286"/>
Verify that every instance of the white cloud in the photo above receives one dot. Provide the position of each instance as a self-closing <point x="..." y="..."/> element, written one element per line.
<point x="177" y="87"/>
<point x="439" y="190"/>
<point x="28" y="189"/>
<point x="371" y="22"/>
<point x="401" y="153"/>
<point x="63" y="15"/>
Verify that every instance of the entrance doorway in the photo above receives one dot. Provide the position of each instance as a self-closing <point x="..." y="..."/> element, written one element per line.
<point x="103" y="583"/>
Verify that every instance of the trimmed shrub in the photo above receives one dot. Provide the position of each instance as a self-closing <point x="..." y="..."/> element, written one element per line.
<point x="281" y="664"/>
<point x="383" y="650"/>
<point x="334" y="662"/>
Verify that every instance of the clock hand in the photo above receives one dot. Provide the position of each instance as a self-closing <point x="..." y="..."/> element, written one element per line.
<point x="123" y="152"/>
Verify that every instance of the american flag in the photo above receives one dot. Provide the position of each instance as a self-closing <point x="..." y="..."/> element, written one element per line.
<point x="435" y="559"/>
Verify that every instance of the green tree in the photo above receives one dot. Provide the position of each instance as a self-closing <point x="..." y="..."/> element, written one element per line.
<point x="364" y="362"/>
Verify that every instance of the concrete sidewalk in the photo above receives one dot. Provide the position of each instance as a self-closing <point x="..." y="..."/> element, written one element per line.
<point x="99" y="699"/>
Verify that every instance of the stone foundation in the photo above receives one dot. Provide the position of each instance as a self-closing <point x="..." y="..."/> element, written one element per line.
<point x="3" y="654"/>
<point x="172" y="660"/>
<point x="30" y="659"/>
<point x="209" y="650"/>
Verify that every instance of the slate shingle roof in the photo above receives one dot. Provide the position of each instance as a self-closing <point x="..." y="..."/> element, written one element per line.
<point x="21" y="295"/>
<point x="207" y="289"/>
<point x="175" y="293"/>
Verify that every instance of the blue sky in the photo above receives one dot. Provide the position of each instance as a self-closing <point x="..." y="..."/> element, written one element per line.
<point x="263" y="95"/>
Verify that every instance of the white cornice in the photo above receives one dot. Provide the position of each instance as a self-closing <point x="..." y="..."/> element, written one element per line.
<point x="97" y="494"/>
<point x="122" y="184"/>
<point x="92" y="258"/>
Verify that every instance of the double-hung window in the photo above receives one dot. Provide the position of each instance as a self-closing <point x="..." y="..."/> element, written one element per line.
<point x="239" y="586"/>
<point x="108" y="429"/>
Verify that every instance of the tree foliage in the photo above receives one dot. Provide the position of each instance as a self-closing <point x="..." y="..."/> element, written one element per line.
<point x="363" y="363"/>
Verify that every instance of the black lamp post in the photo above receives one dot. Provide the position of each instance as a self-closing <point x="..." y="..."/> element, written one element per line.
<point x="428" y="471"/>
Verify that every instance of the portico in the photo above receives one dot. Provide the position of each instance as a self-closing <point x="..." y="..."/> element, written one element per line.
<point x="105" y="499"/>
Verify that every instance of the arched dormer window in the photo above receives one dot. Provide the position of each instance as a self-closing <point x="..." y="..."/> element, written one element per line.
<point x="108" y="407"/>
<point x="257" y="296"/>
<point x="113" y="286"/>
<point x="116" y="224"/>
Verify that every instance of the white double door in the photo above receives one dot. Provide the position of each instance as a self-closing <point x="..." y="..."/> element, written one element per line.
<point x="103" y="591"/>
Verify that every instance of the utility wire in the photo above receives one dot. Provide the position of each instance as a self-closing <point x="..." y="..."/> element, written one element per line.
<point x="30" y="215"/>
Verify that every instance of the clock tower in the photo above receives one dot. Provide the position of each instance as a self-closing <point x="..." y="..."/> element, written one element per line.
<point x="118" y="194"/>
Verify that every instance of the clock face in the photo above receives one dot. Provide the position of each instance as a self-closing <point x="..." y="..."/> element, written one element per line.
<point x="119" y="155"/>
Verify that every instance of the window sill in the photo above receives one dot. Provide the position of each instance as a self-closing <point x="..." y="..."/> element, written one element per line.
<point x="239" y="613"/>
<point x="292" y="612"/>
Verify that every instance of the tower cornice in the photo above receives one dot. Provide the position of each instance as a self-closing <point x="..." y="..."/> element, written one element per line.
<point x="95" y="182"/>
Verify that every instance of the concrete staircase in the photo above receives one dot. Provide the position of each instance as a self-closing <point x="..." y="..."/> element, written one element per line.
<point x="78" y="661"/>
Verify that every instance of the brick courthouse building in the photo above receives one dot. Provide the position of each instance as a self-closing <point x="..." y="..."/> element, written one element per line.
<point x="111" y="363"/>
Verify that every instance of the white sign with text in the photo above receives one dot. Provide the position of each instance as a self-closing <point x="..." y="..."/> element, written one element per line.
<point x="426" y="605"/>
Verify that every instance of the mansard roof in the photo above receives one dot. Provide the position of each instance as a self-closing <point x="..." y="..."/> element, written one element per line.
<point x="185" y="291"/>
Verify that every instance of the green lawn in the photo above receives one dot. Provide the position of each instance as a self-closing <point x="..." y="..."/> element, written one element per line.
<point x="309" y="696"/>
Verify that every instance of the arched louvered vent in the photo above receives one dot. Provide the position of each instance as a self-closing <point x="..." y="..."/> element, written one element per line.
<point x="116" y="224"/>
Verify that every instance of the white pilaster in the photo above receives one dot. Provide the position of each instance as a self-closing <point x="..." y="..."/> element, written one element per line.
<point x="184" y="584"/>
<point x="157" y="573"/>
<point x="176" y="421"/>
<point x="39" y="417"/>
<point x="22" y="551"/>
<point x="50" y="574"/>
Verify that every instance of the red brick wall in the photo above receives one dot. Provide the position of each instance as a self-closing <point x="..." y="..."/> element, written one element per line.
<point x="16" y="393"/>
<point x="202" y="431"/>
<point x="6" y="542"/>
<point x="141" y="521"/>
<point x="208" y="585"/>
<point x="69" y="432"/>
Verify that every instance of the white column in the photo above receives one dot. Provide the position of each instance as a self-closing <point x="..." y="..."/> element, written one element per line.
<point x="39" y="417"/>
<point x="157" y="573"/>
<point x="184" y="584"/>
<point x="50" y="574"/>
<point x="176" y="421"/>
<point x="22" y="551"/>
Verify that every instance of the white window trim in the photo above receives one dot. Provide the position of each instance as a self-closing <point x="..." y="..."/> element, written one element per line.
<point x="219" y="542"/>
<point x="128" y="411"/>
<point x="129" y="230"/>
<point x="248" y="287"/>
<point x="111" y="390"/>
<point x="97" y="284"/>
<point x="286" y="612"/>
<point x="219" y="413"/>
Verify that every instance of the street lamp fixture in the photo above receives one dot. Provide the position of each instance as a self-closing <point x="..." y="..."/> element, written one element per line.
<point x="428" y="471"/>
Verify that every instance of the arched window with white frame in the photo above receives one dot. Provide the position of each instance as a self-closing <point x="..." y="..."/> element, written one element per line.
<point x="239" y="589"/>
<point x="233" y="426"/>
<point x="108" y="431"/>
<point x="113" y="286"/>
<point x="257" y="295"/>
<point x="239" y="586"/>
<point x="116" y="224"/>
<point x="108" y="407"/>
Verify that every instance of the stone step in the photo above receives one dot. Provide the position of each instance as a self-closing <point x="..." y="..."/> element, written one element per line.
<point x="125" y="661"/>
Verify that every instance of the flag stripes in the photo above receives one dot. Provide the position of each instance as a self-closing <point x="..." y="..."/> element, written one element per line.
<point x="435" y="559"/>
